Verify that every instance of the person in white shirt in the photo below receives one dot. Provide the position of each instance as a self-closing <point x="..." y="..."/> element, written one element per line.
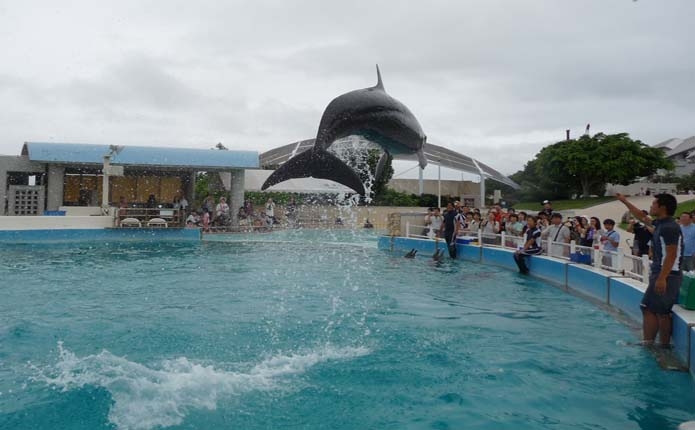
<point x="557" y="232"/>
<point x="270" y="211"/>
<point x="435" y="223"/>
<point x="222" y="211"/>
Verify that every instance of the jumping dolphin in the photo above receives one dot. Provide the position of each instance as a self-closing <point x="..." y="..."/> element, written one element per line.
<point x="370" y="113"/>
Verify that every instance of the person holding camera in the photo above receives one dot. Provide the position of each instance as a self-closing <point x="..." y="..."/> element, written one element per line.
<point x="643" y="236"/>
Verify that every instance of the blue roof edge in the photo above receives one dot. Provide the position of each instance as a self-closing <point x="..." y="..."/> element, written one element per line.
<point x="82" y="153"/>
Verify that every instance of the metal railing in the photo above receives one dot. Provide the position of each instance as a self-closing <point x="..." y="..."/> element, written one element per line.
<point x="616" y="262"/>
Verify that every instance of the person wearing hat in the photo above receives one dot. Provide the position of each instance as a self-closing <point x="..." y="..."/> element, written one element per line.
<point x="547" y="208"/>
<point x="558" y="233"/>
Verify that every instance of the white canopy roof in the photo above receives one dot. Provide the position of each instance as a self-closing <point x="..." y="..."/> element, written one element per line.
<point x="253" y="180"/>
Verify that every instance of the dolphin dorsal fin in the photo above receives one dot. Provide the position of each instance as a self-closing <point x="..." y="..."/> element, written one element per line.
<point x="379" y="83"/>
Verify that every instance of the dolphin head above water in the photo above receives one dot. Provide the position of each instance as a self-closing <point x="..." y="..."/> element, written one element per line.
<point x="368" y="112"/>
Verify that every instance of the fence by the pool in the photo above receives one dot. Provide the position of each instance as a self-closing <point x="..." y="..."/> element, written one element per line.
<point x="617" y="262"/>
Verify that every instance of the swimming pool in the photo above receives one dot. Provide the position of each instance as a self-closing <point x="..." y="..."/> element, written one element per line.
<point x="309" y="329"/>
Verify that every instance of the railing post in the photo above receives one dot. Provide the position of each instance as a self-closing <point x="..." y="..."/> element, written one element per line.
<point x="504" y="242"/>
<point x="645" y="268"/>
<point x="480" y="237"/>
<point x="407" y="229"/>
<point x="573" y="247"/>
<point x="550" y="248"/>
<point x="597" y="258"/>
<point x="618" y="266"/>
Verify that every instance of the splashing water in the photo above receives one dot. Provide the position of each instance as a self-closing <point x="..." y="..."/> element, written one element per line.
<point x="354" y="150"/>
<point x="161" y="396"/>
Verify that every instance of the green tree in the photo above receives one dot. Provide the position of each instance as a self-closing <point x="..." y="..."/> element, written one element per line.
<point x="586" y="164"/>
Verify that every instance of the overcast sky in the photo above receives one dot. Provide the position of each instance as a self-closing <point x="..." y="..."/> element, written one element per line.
<point x="496" y="80"/>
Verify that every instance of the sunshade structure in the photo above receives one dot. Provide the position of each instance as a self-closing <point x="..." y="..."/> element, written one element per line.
<point x="437" y="155"/>
<point x="140" y="156"/>
<point x="253" y="180"/>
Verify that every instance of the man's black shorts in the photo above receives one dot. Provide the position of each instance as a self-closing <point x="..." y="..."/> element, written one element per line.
<point x="661" y="304"/>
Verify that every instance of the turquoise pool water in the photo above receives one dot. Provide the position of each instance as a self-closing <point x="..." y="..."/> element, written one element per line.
<point x="309" y="330"/>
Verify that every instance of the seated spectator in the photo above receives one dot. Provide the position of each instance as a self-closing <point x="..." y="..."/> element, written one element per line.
<point x="193" y="219"/>
<point x="531" y="245"/>
<point x="222" y="211"/>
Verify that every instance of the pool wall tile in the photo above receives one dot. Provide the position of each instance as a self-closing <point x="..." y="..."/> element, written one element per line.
<point x="551" y="270"/>
<point x="692" y="351"/>
<point x="469" y="253"/>
<point x="681" y="337"/>
<point x="624" y="295"/>
<point x="587" y="281"/>
<point x="405" y="244"/>
<point x="498" y="257"/>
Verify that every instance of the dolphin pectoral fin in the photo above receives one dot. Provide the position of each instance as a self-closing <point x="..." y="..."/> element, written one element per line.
<point x="317" y="164"/>
<point x="380" y="166"/>
<point x="327" y="166"/>
<point x="295" y="167"/>
<point x="422" y="160"/>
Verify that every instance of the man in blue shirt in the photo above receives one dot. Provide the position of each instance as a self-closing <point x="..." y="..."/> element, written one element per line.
<point x="688" y="231"/>
<point x="531" y="245"/>
<point x="666" y="275"/>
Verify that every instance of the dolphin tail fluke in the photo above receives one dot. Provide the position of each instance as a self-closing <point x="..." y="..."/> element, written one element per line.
<point x="317" y="164"/>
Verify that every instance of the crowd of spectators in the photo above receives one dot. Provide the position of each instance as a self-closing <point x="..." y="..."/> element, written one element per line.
<point x="585" y="231"/>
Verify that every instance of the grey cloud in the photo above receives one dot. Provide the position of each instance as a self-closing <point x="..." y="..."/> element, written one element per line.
<point x="480" y="76"/>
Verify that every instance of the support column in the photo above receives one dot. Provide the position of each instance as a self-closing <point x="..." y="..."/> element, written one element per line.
<point x="3" y="191"/>
<point x="482" y="183"/>
<point x="105" y="185"/>
<point x="54" y="187"/>
<point x="420" y="182"/>
<point x="236" y="194"/>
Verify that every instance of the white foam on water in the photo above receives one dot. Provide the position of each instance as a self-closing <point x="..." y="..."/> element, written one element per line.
<point x="161" y="396"/>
